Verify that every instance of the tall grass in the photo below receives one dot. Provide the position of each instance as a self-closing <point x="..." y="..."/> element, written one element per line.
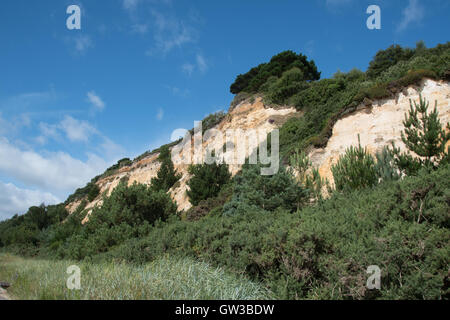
<point x="166" y="278"/>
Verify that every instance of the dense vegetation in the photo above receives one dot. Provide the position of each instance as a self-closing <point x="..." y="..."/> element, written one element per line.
<point x="207" y="181"/>
<point x="253" y="80"/>
<point x="166" y="176"/>
<point x="390" y="210"/>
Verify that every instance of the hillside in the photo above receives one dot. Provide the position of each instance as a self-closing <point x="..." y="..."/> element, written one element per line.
<point x="246" y="115"/>
<point x="378" y="124"/>
<point x="363" y="181"/>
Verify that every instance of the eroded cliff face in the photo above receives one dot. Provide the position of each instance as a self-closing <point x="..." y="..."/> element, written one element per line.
<point x="377" y="125"/>
<point x="380" y="124"/>
<point x="247" y="115"/>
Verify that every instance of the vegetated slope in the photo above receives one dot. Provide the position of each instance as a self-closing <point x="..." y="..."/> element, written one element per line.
<point x="379" y="124"/>
<point x="307" y="111"/>
<point x="165" y="278"/>
<point x="273" y="228"/>
<point x="323" y="251"/>
<point x="249" y="114"/>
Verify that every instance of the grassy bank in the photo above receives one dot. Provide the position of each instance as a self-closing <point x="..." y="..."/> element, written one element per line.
<point x="165" y="278"/>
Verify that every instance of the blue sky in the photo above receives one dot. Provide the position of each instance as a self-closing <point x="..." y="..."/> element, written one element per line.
<point x="72" y="102"/>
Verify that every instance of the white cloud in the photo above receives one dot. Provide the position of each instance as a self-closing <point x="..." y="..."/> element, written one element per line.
<point x="77" y="130"/>
<point x="25" y="100"/>
<point x="110" y="150"/>
<point x="15" y="200"/>
<point x="130" y="4"/>
<point x="188" y="68"/>
<point x="414" y="12"/>
<point x="170" y="33"/>
<point x="82" y="43"/>
<point x="179" y="92"/>
<point x="47" y="131"/>
<point x="56" y="171"/>
<point x="12" y="125"/>
<point x="140" y="28"/>
<point x="160" y="114"/>
<point x="201" y="63"/>
<point x="95" y="100"/>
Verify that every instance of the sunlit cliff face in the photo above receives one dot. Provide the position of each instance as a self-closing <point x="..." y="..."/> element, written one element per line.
<point x="377" y="125"/>
<point x="380" y="124"/>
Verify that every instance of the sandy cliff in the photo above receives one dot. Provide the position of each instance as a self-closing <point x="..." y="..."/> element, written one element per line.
<point x="247" y="115"/>
<point x="378" y="125"/>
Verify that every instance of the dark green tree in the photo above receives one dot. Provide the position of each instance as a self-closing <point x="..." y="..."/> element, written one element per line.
<point x="166" y="176"/>
<point x="424" y="136"/>
<point x="94" y="191"/>
<point x="384" y="59"/>
<point x="253" y="190"/>
<point x="206" y="181"/>
<point x="354" y="170"/>
<point x="252" y="81"/>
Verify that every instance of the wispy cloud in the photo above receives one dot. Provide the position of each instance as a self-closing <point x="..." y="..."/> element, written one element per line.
<point x="95" y="100"/>
<point x="160" y="114"/>
<point x="29" y="99"/>
<point x="170" y="32"/>
<point x="413" y="13"/>
<point x="13" y="125"/>
<point x="82" y="43"/>
<point x="130" y="4"/>
<point x="179" y="92"/>
<point x="48" y="131"/>
<point x="201" y="63"/>
<point x="139" y="28"/>
<point x="188" y="68"/>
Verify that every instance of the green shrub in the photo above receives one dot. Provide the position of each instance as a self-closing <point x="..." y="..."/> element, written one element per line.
<point x="210" y="205"/>
<point x="323" y="251"/>
<point x="413" y="77"/>
<point x="206" y="181"/>
<point x="166" y="176"/>
<point x="94" y="191"/>
<point x="128" y="212"/>
<point x="425" y="136"/>
<point x="354" y="170"/>
<point x="384" y="59"/>
<point x="266" y="193"/>
<point x="253" y="80"/>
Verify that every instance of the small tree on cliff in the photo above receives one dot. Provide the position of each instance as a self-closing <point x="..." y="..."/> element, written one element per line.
<point x="355" y="169"/>
<point x="423" y="135"/>
<point x="207" y="181"/>
<point x="167" y="175"/>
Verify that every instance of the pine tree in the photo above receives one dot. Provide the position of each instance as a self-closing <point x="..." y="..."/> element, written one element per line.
<point x="355" y="169"/>
<point x="166" y="176"/>
<point x="423" y="135"/>
<point x="207" y="181"/>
